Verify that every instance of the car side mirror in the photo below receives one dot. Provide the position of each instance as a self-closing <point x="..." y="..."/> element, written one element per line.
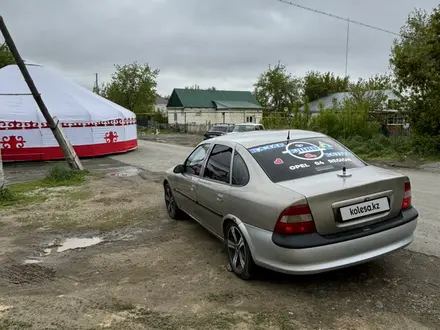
<point x="179" y="169"/>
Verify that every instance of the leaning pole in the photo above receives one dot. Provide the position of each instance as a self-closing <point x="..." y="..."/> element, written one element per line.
<point x="65" y="145"/>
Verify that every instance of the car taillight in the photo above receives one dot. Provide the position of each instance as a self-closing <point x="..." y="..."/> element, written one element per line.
<point x="406" y="203"/>
<point x="296" y="219"/>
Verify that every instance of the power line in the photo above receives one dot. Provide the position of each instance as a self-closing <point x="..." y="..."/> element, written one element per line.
<point x="346" y="19"/>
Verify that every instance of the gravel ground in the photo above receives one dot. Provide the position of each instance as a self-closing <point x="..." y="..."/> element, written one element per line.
<point x="150" y="272"/>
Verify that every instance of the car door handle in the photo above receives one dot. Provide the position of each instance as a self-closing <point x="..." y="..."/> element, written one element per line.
<point x="219" y="197"/>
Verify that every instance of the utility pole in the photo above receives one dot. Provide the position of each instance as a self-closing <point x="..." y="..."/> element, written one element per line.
<point x="346" y="47"/>
<point x="68" y="151"/>
<point x="96" y="84"/>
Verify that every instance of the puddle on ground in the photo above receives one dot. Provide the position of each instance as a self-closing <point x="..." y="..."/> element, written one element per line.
<point x="77" y="243"/>
<point x="125" y="171"/>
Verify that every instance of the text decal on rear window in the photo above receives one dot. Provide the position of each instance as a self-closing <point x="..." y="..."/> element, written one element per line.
<point x="297" y="159"/>
<point x="267" y="147"/>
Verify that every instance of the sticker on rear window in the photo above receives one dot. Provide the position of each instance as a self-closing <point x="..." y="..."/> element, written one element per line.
<point x="307" y="150"/>
<point x="289" y="160"/>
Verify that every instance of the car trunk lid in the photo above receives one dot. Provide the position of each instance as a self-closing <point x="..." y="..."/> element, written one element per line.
<point x="369" y="195"/>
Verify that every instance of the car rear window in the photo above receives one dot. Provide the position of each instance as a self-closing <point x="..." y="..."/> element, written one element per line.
<point x="244" y="128"/>
<point x="302" y="158"/>
<point x="219" y="128"/>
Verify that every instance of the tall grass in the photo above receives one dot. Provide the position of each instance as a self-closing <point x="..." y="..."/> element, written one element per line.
<point x="55" y="177"/>
<point x="356" y="128"/>
<point x="58" y="176"/>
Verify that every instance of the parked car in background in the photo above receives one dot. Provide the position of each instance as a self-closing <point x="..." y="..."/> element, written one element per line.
<point x="247" y="127"/>
<point x="217" y="130"/>
<point x="295" y="201"/>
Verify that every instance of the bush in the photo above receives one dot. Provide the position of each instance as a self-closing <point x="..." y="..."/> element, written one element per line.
<point x="380" y="147"/>
<point x="275" y="122"/>
<point x="7" y="196"/>
<point x="61" y="175"/>
<point x="343" y="124"/>
<point x="359" y="132"/>
<point x="424" y="145"/>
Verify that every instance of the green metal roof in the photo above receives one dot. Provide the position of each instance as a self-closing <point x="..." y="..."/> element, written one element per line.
<point x="235" y="105"/>
<point x="215" y="99"/>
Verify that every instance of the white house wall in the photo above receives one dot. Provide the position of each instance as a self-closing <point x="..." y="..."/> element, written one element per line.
<point x="205" y="116"/>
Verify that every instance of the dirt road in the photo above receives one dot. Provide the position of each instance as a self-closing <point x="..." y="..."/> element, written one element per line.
<point x="145" y="271"/>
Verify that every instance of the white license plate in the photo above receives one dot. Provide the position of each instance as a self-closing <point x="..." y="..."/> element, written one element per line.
<point x="364" y="209"/>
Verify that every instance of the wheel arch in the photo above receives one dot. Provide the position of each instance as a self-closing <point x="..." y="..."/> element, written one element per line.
<point x="232" y="218"/>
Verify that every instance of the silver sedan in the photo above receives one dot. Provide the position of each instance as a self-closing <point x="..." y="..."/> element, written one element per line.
<point x="297" y="202"/>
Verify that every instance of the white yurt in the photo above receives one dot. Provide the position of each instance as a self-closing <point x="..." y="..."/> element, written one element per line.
<point x="94" y="125"/>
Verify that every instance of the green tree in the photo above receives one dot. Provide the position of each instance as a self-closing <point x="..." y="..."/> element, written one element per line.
<point x="415" y="60"/>
<point x="276" y="90"/>
<point x="317" y="85"/>
<point x="369" y="94"/>
<point x="195" y="86"/>
<point x="6" y="57"/>
<point x="132" y="86"/>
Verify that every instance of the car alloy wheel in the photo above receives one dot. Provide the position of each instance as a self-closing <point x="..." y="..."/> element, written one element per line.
<point x="170" y="203"/>
<point x="239" y="256"/>
<point x="172" y="208"/>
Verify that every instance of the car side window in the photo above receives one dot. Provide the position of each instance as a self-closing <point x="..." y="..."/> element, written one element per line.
<point x="240" y="173"/>
<point x="194" y="162"/>
<point x="230" y="128"/>
<point x="219" y="164"/>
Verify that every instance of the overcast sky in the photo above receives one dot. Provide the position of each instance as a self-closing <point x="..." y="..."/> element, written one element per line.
<point x="222" y="43"/>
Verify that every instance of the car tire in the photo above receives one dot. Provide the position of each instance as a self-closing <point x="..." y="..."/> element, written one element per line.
<point x="239" y="256"/>
<point x="174" y="212"/>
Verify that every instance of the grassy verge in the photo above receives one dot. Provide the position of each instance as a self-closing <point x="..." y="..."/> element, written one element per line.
<point x="394" y="149"/>
<point x="33" y="191"/>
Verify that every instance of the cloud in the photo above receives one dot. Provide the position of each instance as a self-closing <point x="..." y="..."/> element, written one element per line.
<point x="222" y="43"/>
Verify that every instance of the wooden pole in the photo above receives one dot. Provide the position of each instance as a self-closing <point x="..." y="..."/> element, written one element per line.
<point x="68" y="151"/>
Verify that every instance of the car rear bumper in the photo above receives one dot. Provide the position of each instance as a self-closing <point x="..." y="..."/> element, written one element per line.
<point x="327" y="257"/>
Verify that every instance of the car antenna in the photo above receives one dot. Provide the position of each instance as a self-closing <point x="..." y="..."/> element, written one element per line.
<point x="344" y="173"/>
<point x="288" y="136"/>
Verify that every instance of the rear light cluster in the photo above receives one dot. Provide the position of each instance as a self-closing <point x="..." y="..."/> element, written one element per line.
<point x="296" y="219"/>
<point x="406" y="203"/>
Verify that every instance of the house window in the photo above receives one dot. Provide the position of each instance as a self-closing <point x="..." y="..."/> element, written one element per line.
<point x="250" y="119"/>
<point x="175" y="116"/>
<point x="395" y="120"/>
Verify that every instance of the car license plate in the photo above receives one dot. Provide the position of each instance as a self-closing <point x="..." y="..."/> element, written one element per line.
<point x="364" y="209"/>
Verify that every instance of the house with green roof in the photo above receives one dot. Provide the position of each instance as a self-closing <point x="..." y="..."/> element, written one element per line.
<point x="202" y="107"/>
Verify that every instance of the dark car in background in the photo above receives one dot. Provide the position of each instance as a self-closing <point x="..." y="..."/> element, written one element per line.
<point x="217" y="130"/>
<point x="247" y="127"/>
